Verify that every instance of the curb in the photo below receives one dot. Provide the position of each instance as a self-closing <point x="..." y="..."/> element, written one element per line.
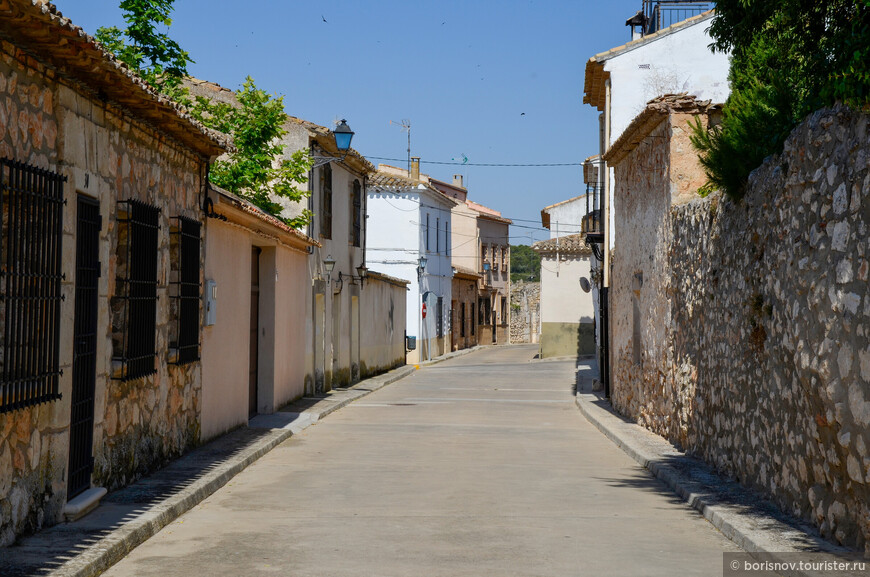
<point x="452" y="355"/>
<point x="113" y="547"/>
<point x="755" y="525"/>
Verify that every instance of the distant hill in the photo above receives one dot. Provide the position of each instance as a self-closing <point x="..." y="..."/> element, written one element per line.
<point x="525" y="264"/>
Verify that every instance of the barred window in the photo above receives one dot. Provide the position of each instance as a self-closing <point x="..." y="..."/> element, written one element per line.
<point x="185" y="289"/>
<point x="31" y="207"/>
<point x="439" y="317"/>
<point x="135" y="340"/>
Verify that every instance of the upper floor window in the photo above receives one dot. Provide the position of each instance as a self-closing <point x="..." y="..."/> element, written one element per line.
<point x="356" y="213"/>
<point x="427" y="232"/>
<point x="326" y="201"/>
<point x="438" y="235"/>
<point x="32" y="231"/>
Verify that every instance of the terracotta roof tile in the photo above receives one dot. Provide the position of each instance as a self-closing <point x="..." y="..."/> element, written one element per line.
<point x="571" y="244"/>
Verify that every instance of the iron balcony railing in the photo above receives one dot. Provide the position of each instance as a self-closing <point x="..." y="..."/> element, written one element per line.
<point x="661" y="14"/>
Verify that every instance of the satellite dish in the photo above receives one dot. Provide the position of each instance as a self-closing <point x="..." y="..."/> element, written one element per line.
<point x="585" y="285"/>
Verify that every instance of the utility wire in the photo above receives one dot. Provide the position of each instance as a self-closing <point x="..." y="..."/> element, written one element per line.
<point x="482" y="163"/>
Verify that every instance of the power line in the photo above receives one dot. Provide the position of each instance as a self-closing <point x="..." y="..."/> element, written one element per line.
<point x="500" y="164"/>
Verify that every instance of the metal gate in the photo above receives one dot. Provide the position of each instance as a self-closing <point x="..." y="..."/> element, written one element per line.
<point x="81" y="462"/>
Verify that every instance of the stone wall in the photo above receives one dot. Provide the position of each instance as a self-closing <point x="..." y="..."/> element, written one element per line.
<point x="754" y="335"/>
<point x="109" y="156"/>
<point x="525" y="311"/>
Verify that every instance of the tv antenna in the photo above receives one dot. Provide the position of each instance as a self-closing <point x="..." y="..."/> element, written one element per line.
<point x="405" y="126"/>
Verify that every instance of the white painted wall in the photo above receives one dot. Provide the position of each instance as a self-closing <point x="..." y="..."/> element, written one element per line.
<point x="567" y="218"/>
<point x="396" y="241"/>
<point x="678" y="62"/>
<point x="562" y="299"/>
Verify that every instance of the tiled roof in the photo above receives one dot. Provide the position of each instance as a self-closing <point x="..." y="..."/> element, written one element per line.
<point x="596" y="76"/>
<point x="467" y="273"/>
<point x="257" y="212"/>
<point x="571" y="244"/>
<point x="656" y="110"/>
<point x="487" y="213"/>
<point x="373" y="274"/>
<point x="54" y="40"/>
<point x="389" y="181"/>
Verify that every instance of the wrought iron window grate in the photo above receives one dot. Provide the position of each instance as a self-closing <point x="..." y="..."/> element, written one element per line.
<point x="31" y="205"/>
<point x="186" y="289"/>
<point x="137" y="287"/>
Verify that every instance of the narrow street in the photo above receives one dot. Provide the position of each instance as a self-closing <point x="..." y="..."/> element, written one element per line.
<point x="481" y="465"/>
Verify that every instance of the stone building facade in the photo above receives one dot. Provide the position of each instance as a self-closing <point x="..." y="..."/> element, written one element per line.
<point x="131" y="167"/>
<point x="525" y="312"/>
<point x="742" y="331"/>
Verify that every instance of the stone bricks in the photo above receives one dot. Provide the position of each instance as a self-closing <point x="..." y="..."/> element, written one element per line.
<point x="755" y="349"/>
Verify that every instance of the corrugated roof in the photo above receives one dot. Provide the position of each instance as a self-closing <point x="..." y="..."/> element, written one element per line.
<point x="54" y="40"/>
<point x="571" y="244"/>
<point x="596" y="76"/>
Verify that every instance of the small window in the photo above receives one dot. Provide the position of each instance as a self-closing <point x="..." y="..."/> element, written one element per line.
<point x="462" y="319"/>
<point x="471" y="319"/>
<point x="32" y="233"/>
<point x="447" y="239"/>
<point x="503" y="310"/>
<point x="483" y="253"/>
<point x="135" y="345"/>
<point x="438" y="235"/>
<point x="185" y="250"/>
<point x="427" y="232"/>
<point x="326" y="201"/>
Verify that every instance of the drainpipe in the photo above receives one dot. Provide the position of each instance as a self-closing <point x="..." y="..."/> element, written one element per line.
<point x="605" y="223"/>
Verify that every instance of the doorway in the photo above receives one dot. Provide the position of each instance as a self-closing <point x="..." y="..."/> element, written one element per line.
<point x="81" y="461"/>
<point x="254" y="357"/>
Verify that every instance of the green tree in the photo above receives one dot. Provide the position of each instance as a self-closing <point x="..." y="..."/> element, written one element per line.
<point x="146" y="48"/>
<point x="255" y="169"/>
<point x="525" y="264"/>
<point x="788" y="58"/>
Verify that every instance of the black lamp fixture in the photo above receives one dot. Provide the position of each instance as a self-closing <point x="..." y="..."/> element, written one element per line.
<point x="362" y="274"/>
<point x="421" y="265"/>
<point x="342" y="136"/>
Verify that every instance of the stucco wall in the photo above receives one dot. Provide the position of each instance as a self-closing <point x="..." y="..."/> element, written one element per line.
<point x="754" y="342"/>
<point x="567" y="218"/>
<point x="383" y="311"/>
<point x="567" y="314"/>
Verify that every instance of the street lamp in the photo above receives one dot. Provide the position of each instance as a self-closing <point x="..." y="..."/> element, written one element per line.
<point x="421" y="266"/>
<point x="363" y="273"/>
<point x="342" y="136"/>
<point x="329" y="265"/>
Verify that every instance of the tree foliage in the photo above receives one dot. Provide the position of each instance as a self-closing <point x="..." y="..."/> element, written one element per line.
<point x="146" y="48"/>
<point x="256" y="170"/>
<point x="788" y="58"/>
<point x="525" y="264"/>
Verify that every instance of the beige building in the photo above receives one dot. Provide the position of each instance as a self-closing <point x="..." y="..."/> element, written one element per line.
<point x="567" y="312"/>
<point x="101" y="378"/>
<point x="334" y="348"/>
<point x="480" y="241"/>
<point x="256" y="271"/>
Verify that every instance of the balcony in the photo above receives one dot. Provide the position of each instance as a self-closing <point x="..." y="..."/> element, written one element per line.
<point x="659" y="14"/>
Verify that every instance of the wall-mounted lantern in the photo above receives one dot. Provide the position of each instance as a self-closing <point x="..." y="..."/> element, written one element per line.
<point x="342" y="136"/>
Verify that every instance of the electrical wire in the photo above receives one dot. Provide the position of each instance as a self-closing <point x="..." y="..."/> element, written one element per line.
<point x="499" y="164"/>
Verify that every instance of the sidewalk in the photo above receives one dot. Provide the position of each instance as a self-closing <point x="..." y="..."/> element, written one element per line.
<point x="128" y="517"/>
<point x="753" y="523"/>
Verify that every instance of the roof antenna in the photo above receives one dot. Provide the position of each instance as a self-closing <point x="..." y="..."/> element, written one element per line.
<point x="405" y="125"/>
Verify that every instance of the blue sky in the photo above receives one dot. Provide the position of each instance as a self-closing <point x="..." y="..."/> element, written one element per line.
<point x="463" y="73"/>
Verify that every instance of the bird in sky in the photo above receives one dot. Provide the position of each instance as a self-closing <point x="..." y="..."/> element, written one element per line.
<point x="322" y="18"/>
<point x="522" y="113"/>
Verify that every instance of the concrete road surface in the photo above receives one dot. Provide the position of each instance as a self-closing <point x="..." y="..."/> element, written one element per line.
<point x="478" y="466"/>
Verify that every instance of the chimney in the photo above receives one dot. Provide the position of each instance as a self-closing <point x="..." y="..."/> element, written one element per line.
<point x="415" y="168"/>
<point x="457" y="180"/>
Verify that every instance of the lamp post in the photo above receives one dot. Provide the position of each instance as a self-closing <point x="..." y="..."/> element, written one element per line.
<point x="342" y="135"/>
<point x="329" y="266"/>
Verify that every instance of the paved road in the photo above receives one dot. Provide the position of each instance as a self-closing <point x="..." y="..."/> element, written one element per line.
<point x="478" y="466"/>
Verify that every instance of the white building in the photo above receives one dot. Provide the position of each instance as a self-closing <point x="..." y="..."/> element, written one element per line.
<point x="409" y="237"/>
<point x="566" y="217"/>
<point x="620" y="81"/>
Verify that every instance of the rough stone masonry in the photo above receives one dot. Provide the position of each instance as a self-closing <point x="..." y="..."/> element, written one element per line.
<point x="755" y="353"/>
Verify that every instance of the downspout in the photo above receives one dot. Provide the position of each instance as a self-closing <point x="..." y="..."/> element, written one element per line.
<point x="605" y="222"/>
